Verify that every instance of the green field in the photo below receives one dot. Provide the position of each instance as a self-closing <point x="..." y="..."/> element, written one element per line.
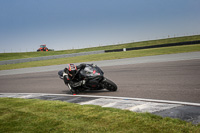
<point x="10" y="56"/>
<point x="31" y="115"/>
<point x="105" y="56"/>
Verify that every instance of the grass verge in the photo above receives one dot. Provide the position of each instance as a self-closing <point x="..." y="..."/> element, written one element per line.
<point x="31" y="115"/>
<point x="105" y="56"/>
<point x="11" y="56"/>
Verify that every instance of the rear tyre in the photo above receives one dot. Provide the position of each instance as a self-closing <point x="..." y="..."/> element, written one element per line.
<point x="109" y="85"/>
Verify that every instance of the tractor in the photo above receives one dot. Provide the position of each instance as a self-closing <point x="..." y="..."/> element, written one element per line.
<point x="43" y="48"/>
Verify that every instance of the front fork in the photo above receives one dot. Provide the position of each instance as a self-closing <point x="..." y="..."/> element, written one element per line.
<point x="102" y="82"/>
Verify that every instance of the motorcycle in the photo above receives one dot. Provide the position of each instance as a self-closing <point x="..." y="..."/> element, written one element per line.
<point x="95" y="79"/>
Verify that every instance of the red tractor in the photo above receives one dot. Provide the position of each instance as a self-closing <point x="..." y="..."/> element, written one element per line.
<point x="43" y="48"/>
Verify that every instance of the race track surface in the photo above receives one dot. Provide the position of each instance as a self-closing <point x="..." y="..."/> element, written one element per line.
<point x="170" y="80"/>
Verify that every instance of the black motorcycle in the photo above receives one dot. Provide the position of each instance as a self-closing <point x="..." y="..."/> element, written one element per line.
<point x="95" y="79"/>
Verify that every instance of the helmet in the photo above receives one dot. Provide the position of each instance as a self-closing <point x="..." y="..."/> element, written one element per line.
<point x="71" y="70"/>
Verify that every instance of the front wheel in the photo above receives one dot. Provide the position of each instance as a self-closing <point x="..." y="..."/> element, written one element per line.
<point x="109" y="85"/>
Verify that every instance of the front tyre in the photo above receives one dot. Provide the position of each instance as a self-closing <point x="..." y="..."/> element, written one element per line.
<point x="109" y="85"/>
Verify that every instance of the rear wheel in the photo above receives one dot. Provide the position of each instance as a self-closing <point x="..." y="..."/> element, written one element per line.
<point x="109" y="85"/>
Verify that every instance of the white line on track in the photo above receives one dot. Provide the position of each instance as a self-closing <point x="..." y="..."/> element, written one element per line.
<point x="108" y="97"/>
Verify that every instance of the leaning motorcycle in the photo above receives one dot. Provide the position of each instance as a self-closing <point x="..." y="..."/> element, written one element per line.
<point x="95" y="79"/>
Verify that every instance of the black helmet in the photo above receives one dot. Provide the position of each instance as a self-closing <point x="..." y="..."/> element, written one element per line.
<point x="71" y="70"/>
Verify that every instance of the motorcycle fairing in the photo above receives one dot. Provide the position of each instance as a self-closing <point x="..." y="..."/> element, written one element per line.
<point x="94" y="74"/>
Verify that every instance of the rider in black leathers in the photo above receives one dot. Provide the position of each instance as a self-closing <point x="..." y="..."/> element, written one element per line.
<point x="72" y="77"/>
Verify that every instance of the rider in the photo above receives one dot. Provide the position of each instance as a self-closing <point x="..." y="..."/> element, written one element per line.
<point x="71" y="76"/>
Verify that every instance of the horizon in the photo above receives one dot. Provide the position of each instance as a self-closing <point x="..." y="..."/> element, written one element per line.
<point x="113" y="44"/>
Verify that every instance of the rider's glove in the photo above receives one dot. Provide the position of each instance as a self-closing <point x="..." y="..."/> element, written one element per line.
<point x="64" y="74"/>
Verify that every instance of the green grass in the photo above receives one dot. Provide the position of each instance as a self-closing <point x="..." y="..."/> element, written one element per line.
<point x="31" y="115"/>
<point x="105" y="56"/>
<point x="10" y="56"/>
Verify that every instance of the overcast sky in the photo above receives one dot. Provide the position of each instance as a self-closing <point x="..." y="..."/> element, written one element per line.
<point x="67" y="24"/>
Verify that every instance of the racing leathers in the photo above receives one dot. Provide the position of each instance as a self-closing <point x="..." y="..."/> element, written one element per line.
<point x="74" y="81"/>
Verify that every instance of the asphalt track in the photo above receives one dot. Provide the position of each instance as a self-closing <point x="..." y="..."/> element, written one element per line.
<point x="169" y="80"/>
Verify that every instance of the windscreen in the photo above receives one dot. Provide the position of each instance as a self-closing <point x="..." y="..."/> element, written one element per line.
<point x="92" y="70"/>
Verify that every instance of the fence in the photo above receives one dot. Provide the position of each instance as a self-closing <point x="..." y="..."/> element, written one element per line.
<point x="156" y="46"/>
